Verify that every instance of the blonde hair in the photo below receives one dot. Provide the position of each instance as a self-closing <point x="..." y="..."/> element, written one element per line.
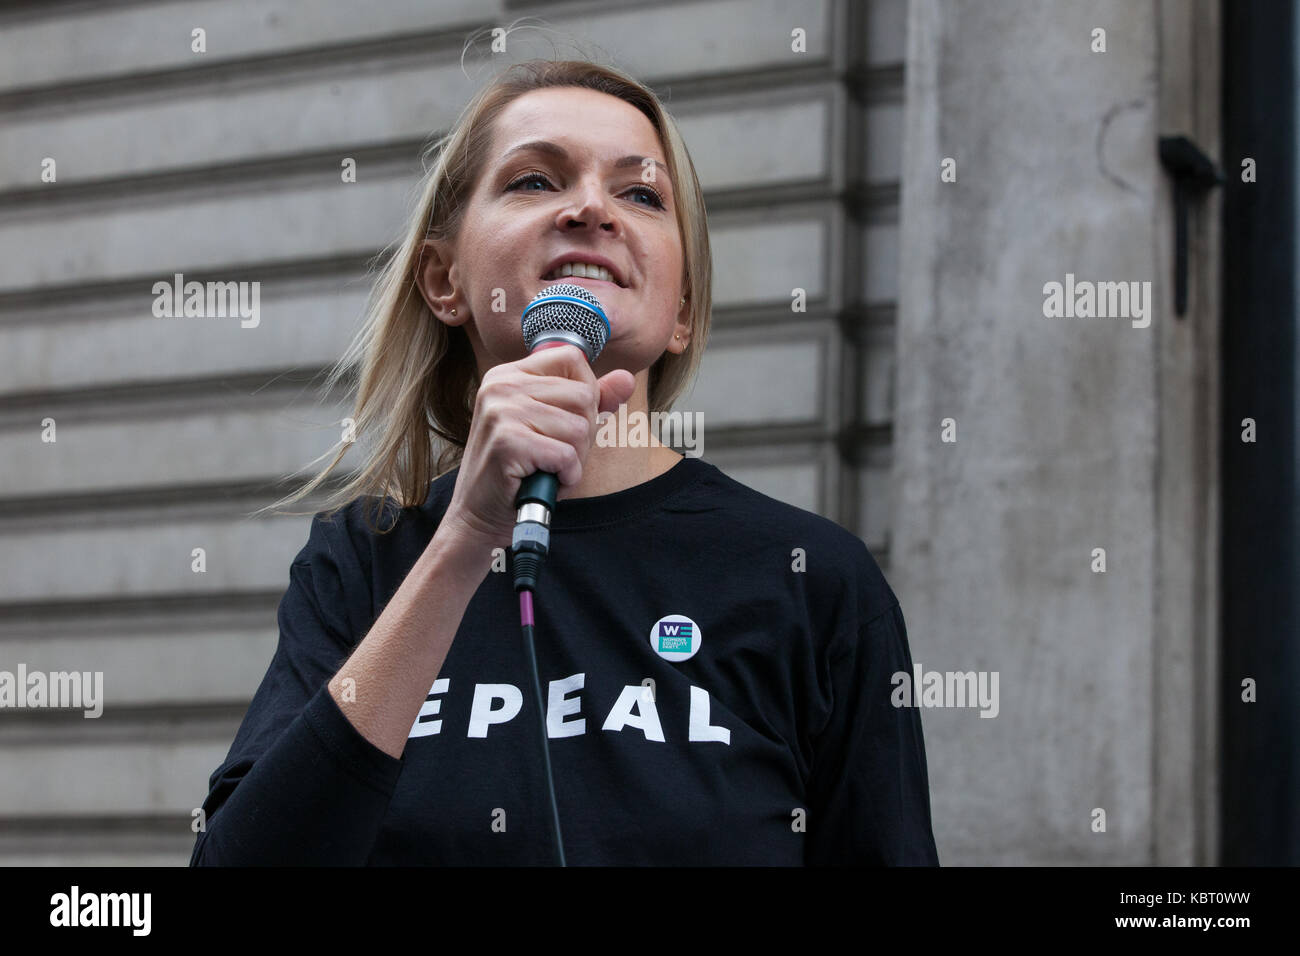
<point x="417" y="378"/>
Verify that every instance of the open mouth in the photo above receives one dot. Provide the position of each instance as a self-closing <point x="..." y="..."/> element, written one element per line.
<point x="580" y="270"/>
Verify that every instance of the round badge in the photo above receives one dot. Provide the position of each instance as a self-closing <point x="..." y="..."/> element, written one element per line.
<point x="675" y="637"/>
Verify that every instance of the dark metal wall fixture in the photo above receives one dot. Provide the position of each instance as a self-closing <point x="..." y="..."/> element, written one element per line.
<point x="1193" y="174"/>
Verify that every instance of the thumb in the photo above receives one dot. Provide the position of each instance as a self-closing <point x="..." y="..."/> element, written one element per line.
<point x="616" y="388"/>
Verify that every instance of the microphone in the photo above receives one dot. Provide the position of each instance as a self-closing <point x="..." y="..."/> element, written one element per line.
<point x="563" y="313"/>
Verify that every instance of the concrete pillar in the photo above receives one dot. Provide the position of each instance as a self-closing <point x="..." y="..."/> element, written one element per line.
<point x="1072" y="434"/>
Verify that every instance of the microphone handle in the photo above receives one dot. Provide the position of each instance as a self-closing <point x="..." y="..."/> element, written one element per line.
<point x="541" y="487"/>
<point x="532" y="537"/>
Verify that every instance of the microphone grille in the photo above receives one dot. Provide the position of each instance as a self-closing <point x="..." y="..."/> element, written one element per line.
<point x="565" y="311"/>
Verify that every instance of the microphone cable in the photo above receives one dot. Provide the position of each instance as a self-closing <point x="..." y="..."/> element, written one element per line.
<point x="526" y="621"/>
<point x="563" y="313"/>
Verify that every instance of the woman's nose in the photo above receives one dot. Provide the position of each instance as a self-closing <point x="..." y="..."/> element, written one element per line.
<point x="590" y="205"/>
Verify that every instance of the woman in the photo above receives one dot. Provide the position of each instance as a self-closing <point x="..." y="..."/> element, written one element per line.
<point x="715" y="664"/>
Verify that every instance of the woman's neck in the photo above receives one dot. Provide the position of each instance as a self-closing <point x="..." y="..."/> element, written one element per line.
<point x="607" y="470"/>
<point x="627" y="460"/>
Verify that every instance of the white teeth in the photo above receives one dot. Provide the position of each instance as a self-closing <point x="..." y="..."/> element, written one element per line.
<point x="582" y="270"/>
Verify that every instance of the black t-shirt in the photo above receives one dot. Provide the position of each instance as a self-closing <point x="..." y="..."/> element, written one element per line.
<point x="717" y="668"/>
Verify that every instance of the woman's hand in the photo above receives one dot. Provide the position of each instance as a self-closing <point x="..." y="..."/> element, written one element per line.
<point x="536" y="414"/>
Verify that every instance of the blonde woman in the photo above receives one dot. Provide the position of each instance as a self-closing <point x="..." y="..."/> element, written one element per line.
<point x="707" y="699"/>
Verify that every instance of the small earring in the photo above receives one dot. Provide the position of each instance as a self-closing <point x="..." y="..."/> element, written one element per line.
<point x="453" y="311"/>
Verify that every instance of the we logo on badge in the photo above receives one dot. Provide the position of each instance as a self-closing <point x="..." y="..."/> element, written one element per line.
<point x="675" y="637"/>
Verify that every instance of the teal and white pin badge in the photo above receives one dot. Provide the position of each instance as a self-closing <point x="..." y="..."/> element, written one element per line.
<point x="675" y="637"/>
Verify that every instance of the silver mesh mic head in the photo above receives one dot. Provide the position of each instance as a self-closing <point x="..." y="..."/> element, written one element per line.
<point x="566" y="312"/>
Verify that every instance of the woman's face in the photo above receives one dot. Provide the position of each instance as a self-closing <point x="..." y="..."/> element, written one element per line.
<point x="589" y="198"/>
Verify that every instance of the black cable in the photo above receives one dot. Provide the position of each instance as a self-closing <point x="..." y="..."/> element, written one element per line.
<point x="526" y="614"/>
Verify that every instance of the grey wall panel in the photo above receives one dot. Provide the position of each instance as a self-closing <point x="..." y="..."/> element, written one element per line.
<point x="72" y="851"/>
<point x="879" y="269"/>
<point x="183" y="667"/>
<point x="152" y="242"/>
<point x="204" y="128"/>
<point x="207" y="442"/>
<point x="52" y="849"/>
<point x="132" y="777"/>
<point x="702" y="41"/>
<point x="775" y="383"/>
<point x="302" y="325"/>
<point x="885" y="33"/>
<point x="137" y="559"/>
<point x="876" y="377"/>
<point x="664" y="46"/>
<point x="883" y="155"/>
<point x="775" y="259"/>
<point x="875" y="514"/>
<point x="125" y="41"/>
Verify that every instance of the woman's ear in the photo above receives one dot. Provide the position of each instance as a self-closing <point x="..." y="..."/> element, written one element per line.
<point x="681" y="329"/>
<point x="433" y="279"/>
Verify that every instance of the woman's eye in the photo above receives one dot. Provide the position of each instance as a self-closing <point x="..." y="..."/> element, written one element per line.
<point x="655" y="199"/>
<point x="528" y="178"/>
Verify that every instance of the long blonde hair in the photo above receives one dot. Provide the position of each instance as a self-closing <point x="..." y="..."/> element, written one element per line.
<point x="416" y="376"/>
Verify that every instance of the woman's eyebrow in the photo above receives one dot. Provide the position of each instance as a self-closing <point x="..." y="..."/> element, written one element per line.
<point x="558" y="151"/>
